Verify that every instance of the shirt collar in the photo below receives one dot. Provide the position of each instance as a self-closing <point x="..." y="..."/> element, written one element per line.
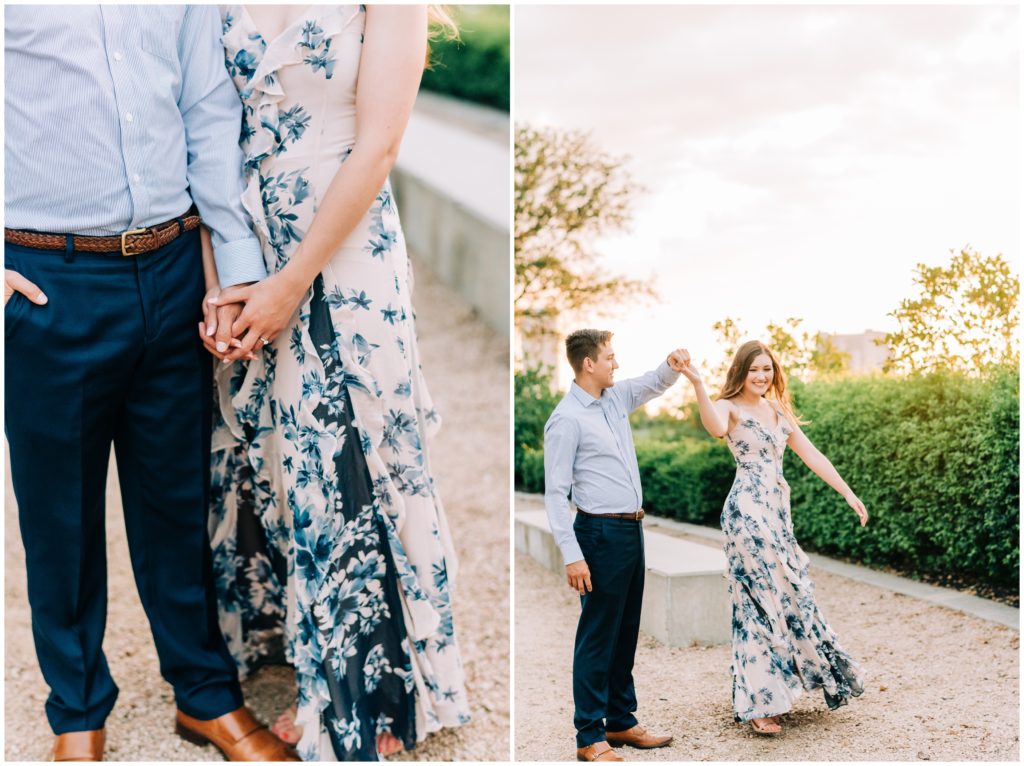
<point x="582" y="396"/>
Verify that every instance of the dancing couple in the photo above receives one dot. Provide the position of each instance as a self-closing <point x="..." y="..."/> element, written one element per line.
<point x="781" y="642"/>
<point x="180" y="182"/>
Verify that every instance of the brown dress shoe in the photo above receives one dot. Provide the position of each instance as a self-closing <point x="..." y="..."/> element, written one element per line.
<point x="638" y="736"/>
<point x="236" y="734"/>
<point x="599" y="751"/>
<point x="79" y="746"/>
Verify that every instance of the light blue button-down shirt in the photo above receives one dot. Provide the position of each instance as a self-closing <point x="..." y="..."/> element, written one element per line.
<point x="589" y="452"/>
<point x="117" y="118"/>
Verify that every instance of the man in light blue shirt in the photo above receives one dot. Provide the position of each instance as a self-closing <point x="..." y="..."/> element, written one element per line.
<point x="118" y="119"/>
<point x="589" y="453"/>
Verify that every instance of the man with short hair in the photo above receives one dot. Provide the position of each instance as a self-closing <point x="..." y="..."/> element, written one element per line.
<point x="118" y="118"/>
<point x="589" y="453"/>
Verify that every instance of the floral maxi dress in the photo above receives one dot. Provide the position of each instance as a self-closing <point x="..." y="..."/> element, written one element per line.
<point x="780" y="639"/>
<point x="330" y="544"/>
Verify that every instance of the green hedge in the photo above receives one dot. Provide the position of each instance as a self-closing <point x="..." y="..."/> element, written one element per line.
<point x="475" y="68"/>
<point x="934" y="458"/>
<point x="687" y="479"/>
<point x="534" y="401"/>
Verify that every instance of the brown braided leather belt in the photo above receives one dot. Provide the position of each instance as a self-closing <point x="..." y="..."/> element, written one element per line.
<point x="134" y="242"/>
<point x="635" y="516"/>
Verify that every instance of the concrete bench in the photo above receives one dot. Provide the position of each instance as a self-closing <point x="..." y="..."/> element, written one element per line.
<point x="685" y="594"/>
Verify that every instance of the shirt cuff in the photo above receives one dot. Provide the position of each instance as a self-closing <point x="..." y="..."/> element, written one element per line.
<point x="571" y="551"/>
<point x="666" y="374"/>
<point x="239" y="261"/>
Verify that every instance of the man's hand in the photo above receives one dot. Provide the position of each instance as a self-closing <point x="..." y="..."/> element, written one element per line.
<point x="578" y="574"/>
<point x="269" y="308"/>
<point x="14" y="282"/>
<point x="218" y="320"/>
<point x="678" y="359"/>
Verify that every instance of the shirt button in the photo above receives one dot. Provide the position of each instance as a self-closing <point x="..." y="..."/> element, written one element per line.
<point x="129" y="117"/>
<point x="136" y="178"/>
<point x="118" y="56"/>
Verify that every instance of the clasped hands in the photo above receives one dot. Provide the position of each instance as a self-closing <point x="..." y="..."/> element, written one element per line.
<point x="240" y="320"/>
<point x="679" y="361"/>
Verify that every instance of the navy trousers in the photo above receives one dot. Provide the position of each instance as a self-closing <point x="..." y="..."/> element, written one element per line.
<point x="602" y="666"/>
<point x="114" y="357"/>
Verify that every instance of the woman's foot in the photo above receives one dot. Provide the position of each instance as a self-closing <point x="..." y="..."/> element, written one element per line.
<point x="388" y="743"/>
<point x="284" y="727"/>
<point x="768" y="726"/>
<point x="286" y="731"/>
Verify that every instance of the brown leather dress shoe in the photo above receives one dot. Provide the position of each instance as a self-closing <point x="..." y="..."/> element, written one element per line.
<point x="638" y="736"/>
<point x="599" y="751"/>
<point x="79" y="746"/>
<point x="236" y="734"/>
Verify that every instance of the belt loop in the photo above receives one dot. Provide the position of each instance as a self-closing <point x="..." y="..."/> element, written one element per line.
<point x="69" y="248"/>
<point x="181" y="225"/>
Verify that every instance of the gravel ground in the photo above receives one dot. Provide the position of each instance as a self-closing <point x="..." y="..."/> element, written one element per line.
<point x="466" y="365"/>
<point x="941" y="685"/>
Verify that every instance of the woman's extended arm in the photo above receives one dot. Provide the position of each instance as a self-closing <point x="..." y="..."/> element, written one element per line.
<point x="714" y="416"/>
<point x="395" y="45"/>
<point x="823" y="467"/>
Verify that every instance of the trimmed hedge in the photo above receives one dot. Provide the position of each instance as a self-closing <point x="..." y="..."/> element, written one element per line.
<point x="934" y="458"/>
<point x="475" y="68"/>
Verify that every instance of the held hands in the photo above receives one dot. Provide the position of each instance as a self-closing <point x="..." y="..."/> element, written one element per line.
<point x="578" y="574"/>
<point x="250" y="316"/>
<point x="679" y="360"/>
<point x="854" y="502"/>
<point x="15" y="283"/>
<point x="215" y="329"/>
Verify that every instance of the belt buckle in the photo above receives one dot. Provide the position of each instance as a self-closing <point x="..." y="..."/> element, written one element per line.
<point x="124" y="243"/>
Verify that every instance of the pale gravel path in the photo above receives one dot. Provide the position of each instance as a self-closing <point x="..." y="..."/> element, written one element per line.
<point x="941" y="685"/>
<point x="466" y="365"/>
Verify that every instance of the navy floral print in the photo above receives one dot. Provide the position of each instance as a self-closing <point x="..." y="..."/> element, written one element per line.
<point x="330" y="542"/>
<point x="781" y="642"/>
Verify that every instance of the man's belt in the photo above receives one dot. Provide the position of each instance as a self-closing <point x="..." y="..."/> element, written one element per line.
<point x="635" y="516"/>
<point x="134" y="242"/>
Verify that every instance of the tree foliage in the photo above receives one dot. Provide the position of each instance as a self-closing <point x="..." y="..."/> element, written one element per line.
<point x="568" y="193"/>
<point x="803" y="355"/>
<point x="965" y="317"/>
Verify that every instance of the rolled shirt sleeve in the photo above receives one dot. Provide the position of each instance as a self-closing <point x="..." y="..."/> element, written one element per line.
<point x="212" y="115"/>
<point x="561" y="437"/>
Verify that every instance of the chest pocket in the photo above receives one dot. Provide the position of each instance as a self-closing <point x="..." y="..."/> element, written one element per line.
<point x="158" y="29"/>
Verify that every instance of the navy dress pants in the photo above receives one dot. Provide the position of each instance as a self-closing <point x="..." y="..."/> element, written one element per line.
<point x="114" y="357"/>
<point x="602" y="666"/>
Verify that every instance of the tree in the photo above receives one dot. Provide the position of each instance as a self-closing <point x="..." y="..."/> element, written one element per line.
<point x="802" y="355"/>
<point x="965" y="317"/>
<point x="568" y="193"/>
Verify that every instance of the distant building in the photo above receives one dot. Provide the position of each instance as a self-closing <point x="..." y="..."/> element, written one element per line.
<point x="865" y="354"/>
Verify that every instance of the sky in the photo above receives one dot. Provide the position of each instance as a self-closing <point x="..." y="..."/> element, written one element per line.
<point x="798" y="160"/>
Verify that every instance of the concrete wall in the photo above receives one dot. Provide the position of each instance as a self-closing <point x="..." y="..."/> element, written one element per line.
<point x="465" y="251"/>
<point x="453" y="188"/>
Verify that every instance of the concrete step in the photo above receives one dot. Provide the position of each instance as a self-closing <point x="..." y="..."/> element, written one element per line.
<point x="685" y="596"/>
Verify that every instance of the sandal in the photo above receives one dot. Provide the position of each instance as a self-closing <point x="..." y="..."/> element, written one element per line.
<point x="768" y="727"/>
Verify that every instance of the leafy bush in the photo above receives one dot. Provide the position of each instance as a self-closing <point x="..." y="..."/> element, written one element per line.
<point x="534" y="402"/>
<point x="686" y="479"/>
<point x="936" y="461"/>
<point x="475" y="68"/>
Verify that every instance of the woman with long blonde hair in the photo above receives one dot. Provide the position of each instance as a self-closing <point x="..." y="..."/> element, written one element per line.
<point x="781" y="641"/>
<point x="330" y="542"/>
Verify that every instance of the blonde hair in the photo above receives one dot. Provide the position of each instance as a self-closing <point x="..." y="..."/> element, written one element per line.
<point x="736" y="378"/>
<point x="441" y="24"/>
